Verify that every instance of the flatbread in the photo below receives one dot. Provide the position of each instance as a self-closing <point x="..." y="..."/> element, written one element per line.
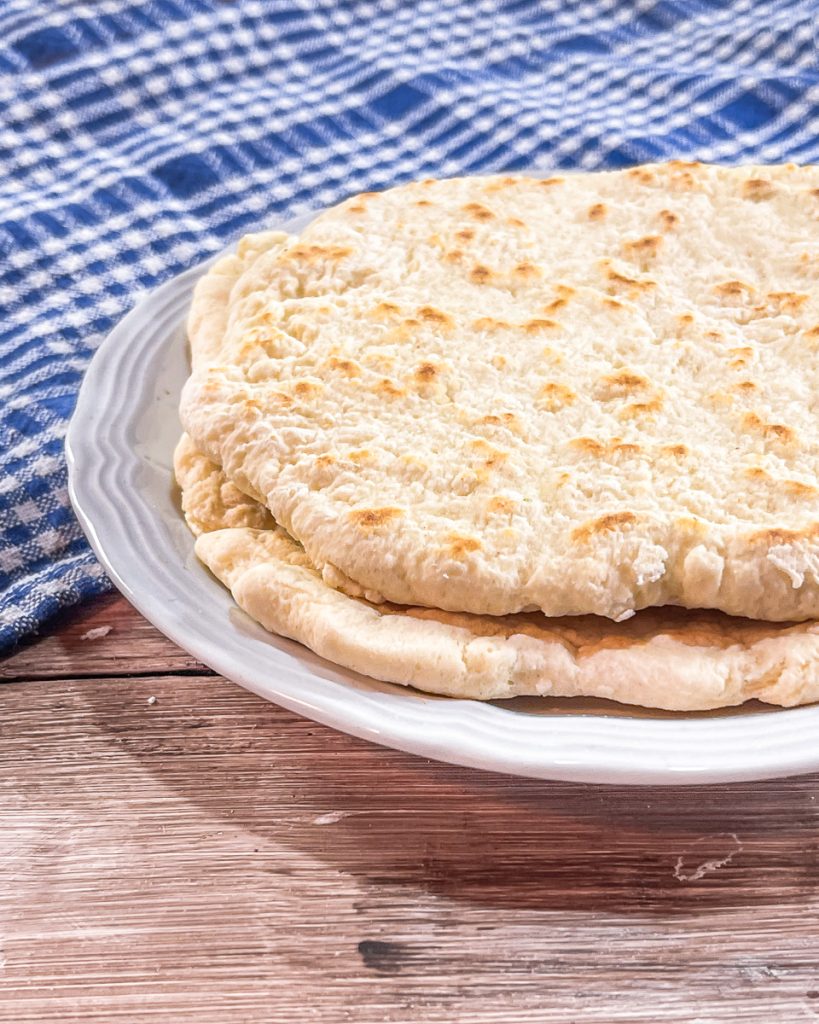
<point x="663" y="658"/>
<point x="592" y="393"/>
<point x="209" y="500"/>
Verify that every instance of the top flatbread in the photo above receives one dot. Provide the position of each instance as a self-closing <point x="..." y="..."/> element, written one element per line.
<point x="663" y="657"/>
<point x="587" y="394"/>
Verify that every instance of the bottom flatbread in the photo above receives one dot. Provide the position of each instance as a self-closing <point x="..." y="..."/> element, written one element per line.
<point x="670" y="658"/>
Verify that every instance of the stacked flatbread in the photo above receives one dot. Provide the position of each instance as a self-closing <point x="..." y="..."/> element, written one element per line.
<point x="509" y="435"/>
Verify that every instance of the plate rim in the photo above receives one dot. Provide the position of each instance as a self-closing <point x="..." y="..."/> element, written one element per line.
<point x="586" y="753"/>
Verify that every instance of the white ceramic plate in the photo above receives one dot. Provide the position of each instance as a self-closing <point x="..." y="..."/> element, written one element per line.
<point x="120" y="444"/>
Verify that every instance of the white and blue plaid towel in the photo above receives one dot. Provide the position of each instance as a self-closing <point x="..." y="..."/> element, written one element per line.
<point x="139" y="136"/>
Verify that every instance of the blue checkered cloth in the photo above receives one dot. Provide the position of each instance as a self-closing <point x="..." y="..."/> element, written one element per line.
<point x="139" y="136"/>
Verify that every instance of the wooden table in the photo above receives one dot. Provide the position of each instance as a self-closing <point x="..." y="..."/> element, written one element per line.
<point x="175" y="849"/>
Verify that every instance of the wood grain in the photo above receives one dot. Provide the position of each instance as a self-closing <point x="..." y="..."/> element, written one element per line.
<point x="209" y="857"/>
<point x="103" y="638"/>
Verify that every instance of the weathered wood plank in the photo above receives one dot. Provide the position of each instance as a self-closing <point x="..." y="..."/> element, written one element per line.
<point x="104" y="637"/>
<point x="212" y="858"/>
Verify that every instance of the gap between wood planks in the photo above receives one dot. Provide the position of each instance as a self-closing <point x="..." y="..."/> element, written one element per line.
<point x="33" y="677"/>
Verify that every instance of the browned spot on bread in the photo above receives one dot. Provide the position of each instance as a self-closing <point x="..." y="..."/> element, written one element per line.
<point x="501" y="505"/>
<point x="812" y="332"/>
<point x="781" y="432"/>
<point x="325" y="461"/>
<point x="526" y="269"/>
<point x="535" y="326"/>
<point x="625" y="450"/>
<point x="677" y="164"/>
<point x="778" y="431"/>
<point x="503" y="419"/>
<point x="683" y="181"/>
<point x="714" y="336"/>
<point x="384" y="309"/>
<point x="610" y="303"/>
<point x="489" y="323"/>
<point x="740" y="357"/>
<point x="307" y="388"/>
<point x="597" y="212"/>
<point x="403" y="331"/>
<point x="668" y="220"/>
<point x="797" y="489"/>
<point x="435" y="316"/>
<point x="312" y="253"/>
<point x="550" y="182"/>
<point x="465" y="234"/>
<point x="781" y="536"/>
<point x="616" y="278"/>
<point x="345" y="366"/>
<point x="746" y="386"/>
<point x="276" y="396"/>
<point x="251" y="349"/>
<point x="771" y="537"/>
<point x="623" y="382"/>
<point x="732" y="289"/>
<point x="648" y="246"/>
<point x="564" y="293"/>
<point x="453" y="256"/>
<point x="480" y="274"/>
<point x="478" y="211"/>
<point x="721" y="399"/>
<point x="425" y="372"/>
<point x="372" y="518"/>
<point x="497" y="458"/>
<point x="359" y="455"/>
<point x="515" y="222"/>
<point x="501" y="183"/>
<point x="603" y="524"/>
<point x="757" y="188"/>
<point x="552" y="356"/>
<point x="488" y="454"/>
<point x="686" y="319"/>
<point x="413" y="463"/>
<point x="788" y="302"/>
<point x="423" y="202"/>
<point x="460" y="545"/>
<point x="357" y="208"/>
<point x="588" y="446"/>
<point x="757" y="473"/>
<point x="499" y="362"/>
<point x="554" y="396"/>
<point x="677" y="451"/>
<point x="635" y="409"/>
<point x="388" y="388"/>
<point x="642" y="175"/>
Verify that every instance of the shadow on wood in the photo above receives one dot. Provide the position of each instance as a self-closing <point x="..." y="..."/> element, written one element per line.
<point x="398" y="821"/>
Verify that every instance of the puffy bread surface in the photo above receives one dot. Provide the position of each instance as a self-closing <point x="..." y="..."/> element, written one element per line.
<point x="582" y="394"/>
<point x="664" y="658"/>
